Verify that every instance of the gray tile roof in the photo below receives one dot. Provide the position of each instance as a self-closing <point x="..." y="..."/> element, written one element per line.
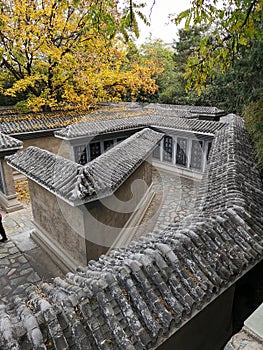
<point x="17" y="124"/>
<point x="137" y="297"/>
<point x="99" y="127"/>
<point x="9" y="143"/>
<point x="191" y="110"/>
<point x="14" y="123"/>
<point x="98" y="178"/>
<point x="136" y="109"/>
<point x="35" y="122"/>
<point x="121" y="104"/>
<point x="55" y="173"/>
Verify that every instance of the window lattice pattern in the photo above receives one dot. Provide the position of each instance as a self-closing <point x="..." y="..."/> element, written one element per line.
<point x="168" y="148"/>
<point x="81" y="155"/>
<point x="95" y="150"/>
<point x="108" y="144"/>
<point x="181" y="158"/>
<point x="197" y="154"/>
<point x="156" y="152"/>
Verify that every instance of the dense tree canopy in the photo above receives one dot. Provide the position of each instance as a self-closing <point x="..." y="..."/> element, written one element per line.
<point x="232" y="24"/>
<point x="70" y="51"/>
<point x="173" y="62"/>
<point x="253" y="114"/>
<point x="232" y="47"/>
<point x="160" y="53"/>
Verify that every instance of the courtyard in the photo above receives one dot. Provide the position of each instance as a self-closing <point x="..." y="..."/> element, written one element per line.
<point x="23" y="262"/>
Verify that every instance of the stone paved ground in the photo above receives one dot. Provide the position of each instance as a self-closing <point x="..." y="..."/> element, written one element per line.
<point x="174" y="198"/>
<point x="177" y="195"/>
<point x="15" y="270"/>
<point x="22" y="261"/>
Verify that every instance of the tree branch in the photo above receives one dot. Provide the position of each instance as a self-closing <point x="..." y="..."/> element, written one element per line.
<point x="253" y="3"/>
<point x="11" y="69"/>
<point x="151" y="9"/>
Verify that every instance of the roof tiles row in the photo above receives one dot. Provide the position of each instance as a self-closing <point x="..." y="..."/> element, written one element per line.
<point x="8" y="143"/>
<point x="94" y="128"/>
<point x="29" y="123"/>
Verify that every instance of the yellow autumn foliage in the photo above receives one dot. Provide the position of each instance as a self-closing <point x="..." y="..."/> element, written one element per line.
<point x="69" y="52"/>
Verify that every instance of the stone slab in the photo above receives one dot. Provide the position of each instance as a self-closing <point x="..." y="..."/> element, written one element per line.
<point x="23" y="241"/>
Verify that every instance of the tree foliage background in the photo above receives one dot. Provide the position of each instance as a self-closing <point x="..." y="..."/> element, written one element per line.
<point x="70" y="52"/>
<point x="230" y="57"/>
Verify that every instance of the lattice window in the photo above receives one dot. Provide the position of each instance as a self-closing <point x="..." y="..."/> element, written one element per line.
<point x="196" y="154"/>
<point x="108" y="144"/>
<point x="181" y="157"/>
<point x="80" y="154"/>
<point x="168" y="148"/>
<point x="157" y="152"/>
<point x="95" y="150"/>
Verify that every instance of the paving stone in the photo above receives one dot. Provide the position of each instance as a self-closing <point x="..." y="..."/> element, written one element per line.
<point x="14" y="257"/>
<point x="29" y="225"/>
<point x="4" y="262"/>
<point x="3" y="283"/>
<point x="26" y="271"/>
<point x="244" y="340"/>
<point x="22" y="259"/>
<point x="25" y="266"/>
<point x="3" y="271"/>
<point x="13" y="250"/>
<point x="16" y="281"/>
<point x="33" y="278"/>
<point x="20" y="289"/>
<point x="4" y="249"/>
<point x="9" y="224"/>
<point x="11" y="272"/>
<point x="9" y="244"/>
<point x="4" y="255"/>
<point x="176" y="198"/>
<point x="7" y="290"/>
<point x="17" y="264"/>
<point x="24" y="241"/>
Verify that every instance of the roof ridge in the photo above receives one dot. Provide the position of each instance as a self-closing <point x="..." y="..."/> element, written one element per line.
<point x="77" y="183"/>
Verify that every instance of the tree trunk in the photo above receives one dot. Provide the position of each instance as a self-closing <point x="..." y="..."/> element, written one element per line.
<point x="46" y="108"/>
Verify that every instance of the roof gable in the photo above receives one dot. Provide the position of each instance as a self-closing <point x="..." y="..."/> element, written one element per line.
<point x="78" y="184"/>
<point x="9" y="143"/>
